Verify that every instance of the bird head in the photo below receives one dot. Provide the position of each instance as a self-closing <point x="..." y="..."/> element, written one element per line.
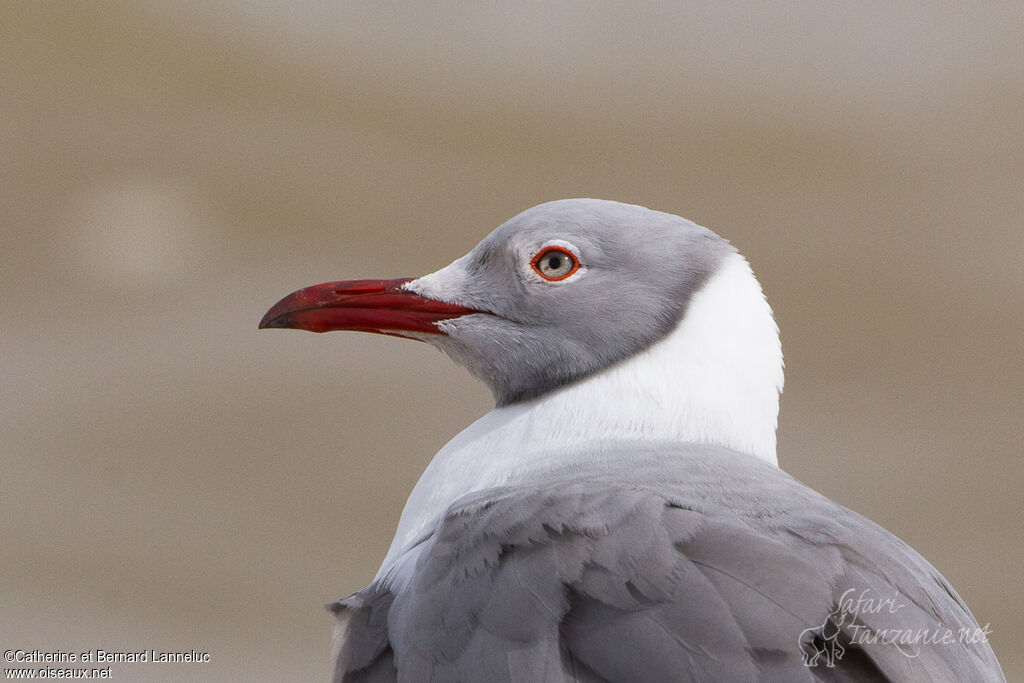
<point x="557" y="293"/>
<point x="576" y="288"/>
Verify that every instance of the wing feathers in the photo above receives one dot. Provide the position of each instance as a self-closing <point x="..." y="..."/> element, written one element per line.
<point x="627" y="578"/>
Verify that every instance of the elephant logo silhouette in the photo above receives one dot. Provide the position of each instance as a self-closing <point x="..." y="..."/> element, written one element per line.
<point x="822" y="642"/>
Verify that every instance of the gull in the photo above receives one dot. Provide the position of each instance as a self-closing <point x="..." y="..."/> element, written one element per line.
<point x="620" y="515"/>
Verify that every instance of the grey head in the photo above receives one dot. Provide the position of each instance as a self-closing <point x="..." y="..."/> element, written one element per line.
<point x="566" y="289"/>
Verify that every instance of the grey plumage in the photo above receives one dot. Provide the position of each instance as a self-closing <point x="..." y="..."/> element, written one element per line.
<point x="574" y="536"/>
<point x="643" y="268"/>
<point x="689" y="563"/>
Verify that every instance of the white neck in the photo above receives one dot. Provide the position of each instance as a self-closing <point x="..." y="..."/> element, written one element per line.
<point x="714" y="380"/>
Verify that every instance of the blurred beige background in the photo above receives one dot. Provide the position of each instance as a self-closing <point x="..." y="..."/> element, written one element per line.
<point x="174" y="479"/>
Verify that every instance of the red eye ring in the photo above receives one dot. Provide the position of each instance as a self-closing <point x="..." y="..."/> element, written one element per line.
<point x="547" y="251"/>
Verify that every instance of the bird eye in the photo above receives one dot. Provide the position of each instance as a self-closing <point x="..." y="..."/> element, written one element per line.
<point x="555" y="263"/>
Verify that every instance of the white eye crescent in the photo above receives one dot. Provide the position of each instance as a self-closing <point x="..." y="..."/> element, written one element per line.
<point x="555" y="263"/>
